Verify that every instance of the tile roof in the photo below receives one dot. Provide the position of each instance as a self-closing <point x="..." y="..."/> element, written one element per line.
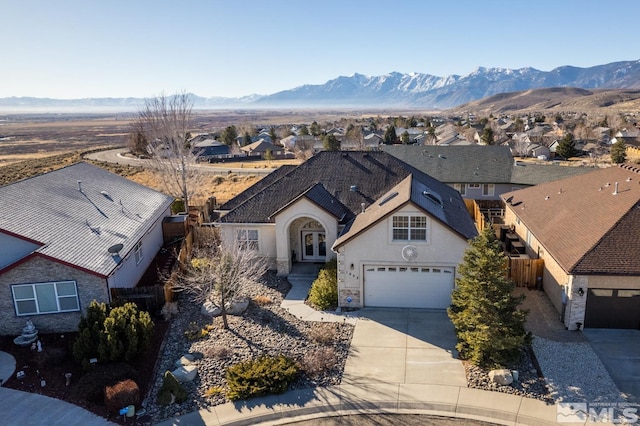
<point x="333" y="179"/>
<point x="78" y="227"/>
<point x="582" y="224"/>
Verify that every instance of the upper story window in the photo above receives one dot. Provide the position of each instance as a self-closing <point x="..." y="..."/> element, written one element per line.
<point x="474" y="185"/>
<point x="461" y="187"/>
<point x="45" y="298"/>
<point x="248" y="239"/>
<point x="137" y="252"/>
<point x="488" y="189"/>
<point x="409" y="228"/>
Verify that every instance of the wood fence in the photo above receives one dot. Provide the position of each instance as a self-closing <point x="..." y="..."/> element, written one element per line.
<point x="526" y="272"/>
<point x="476" y="214"/>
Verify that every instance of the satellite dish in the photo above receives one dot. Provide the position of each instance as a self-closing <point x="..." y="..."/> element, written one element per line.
<point x="409" y="253"/>
<point x="115" y="249"/>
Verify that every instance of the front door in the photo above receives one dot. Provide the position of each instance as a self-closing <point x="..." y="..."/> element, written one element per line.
<point x="314" y="246"/>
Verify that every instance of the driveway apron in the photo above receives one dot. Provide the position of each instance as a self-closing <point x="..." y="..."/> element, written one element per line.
<point x="413" y="346"/>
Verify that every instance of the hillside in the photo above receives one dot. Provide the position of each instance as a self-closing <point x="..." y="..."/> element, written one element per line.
<point x="555" y="99"/>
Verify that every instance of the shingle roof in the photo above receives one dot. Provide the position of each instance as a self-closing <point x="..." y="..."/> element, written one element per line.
<point x="478" y="164"/>
<point x="458" y="164"/>
<point x="77" y="227"/>
<point x="582" y="224"/>
<point x="447" y="209"/>
<point x="340" y="182"/>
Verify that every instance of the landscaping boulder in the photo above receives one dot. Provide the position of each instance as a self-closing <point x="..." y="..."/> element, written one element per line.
<point x="186" y="359"/>
<point x="237" y="307"/>
<point x="501" y="377"/>
<point x="185" y="373"/>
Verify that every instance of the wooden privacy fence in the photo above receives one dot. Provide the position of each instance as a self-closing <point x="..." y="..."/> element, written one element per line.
<point x="526" y="272"/>
<point x="476" y="214"/>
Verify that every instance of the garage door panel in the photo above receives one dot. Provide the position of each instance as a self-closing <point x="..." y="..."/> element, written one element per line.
<point x="612" y="308"/>
<point x="408" y="287"/>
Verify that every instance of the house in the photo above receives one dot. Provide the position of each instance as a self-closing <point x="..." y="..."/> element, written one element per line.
<point x="586" y="228"/>
<point x="209" y="149"/>
<point x="261" y="147"/>
<point x="395" y="230"/>
<point x="67" y="237"/>
<point x="479" y="172"/>
<point x="368" y="143"/>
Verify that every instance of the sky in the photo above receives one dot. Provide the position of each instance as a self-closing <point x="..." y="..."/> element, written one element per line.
<point x="71" y="49"/>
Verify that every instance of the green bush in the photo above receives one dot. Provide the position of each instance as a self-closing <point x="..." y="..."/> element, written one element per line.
<point x="324" y="290"/>
<point x="112" y="333"/>
<point x="266" y="375"/>
<point x="171" y="386"/>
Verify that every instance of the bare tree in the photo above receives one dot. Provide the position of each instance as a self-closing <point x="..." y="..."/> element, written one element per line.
<point x="219" y="274"/>
<point x="166" y="123"/>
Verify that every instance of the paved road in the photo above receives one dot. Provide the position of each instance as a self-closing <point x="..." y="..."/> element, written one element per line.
<point x="117" y="156"/>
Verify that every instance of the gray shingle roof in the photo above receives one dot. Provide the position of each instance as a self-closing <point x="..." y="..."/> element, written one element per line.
<point x="340" y="182"/>
<point x="458" y="164"/>
<point x="77" y="227"/>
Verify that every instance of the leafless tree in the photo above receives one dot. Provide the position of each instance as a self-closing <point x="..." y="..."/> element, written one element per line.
<point x="219" y="273"/>
<point x="166" y="122"/>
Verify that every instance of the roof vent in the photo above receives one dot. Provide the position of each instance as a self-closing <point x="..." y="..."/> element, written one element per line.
<point x="615" y="191"/>
<point x="433" y="198"/>
<point x="106" y="195"/>
<point x="388" y="198"/>
<point x="362" y="207"/>
<point x="80" y="185"/>
<point x="353" y="188"/>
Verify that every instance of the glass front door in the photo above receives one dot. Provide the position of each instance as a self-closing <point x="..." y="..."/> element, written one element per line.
<point x="314" y="246"/>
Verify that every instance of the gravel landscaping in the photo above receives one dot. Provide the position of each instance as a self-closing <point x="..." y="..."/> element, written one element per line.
<point x="264" y="329"/>
<point x="574" y="373"/>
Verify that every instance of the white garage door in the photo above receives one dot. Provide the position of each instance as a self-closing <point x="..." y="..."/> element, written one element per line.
<point x="408" y="287"/>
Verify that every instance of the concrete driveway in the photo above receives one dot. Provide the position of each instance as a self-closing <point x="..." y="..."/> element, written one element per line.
<point x="415" y="346"/>
<point x="619" y="351"/>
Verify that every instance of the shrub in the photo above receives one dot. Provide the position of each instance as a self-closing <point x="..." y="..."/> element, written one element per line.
<point x="127" y="333"/>
<point x="318" y="361"/>
<point x="324" y="290"/>
<point x="171" y="386"/>
<point x="121" y="395"/>
<point x="263" y="376"/>
<point x="91" y="386"/>
<point x="218" y="352"/>
<point x="322" y="332"/>
<point x="262" y="300"/>
<point x="194" y="332"/>
<point x="213" y="391"/>
<point x="112" y="333"/>
<point x="169" y="310"/>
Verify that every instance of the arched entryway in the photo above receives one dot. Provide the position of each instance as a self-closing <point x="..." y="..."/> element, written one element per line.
<point x="308" y="239"/>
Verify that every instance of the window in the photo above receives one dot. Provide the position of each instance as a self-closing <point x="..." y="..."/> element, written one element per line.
<point x="137" y="252"/>
<point x="248" y="239"/>
<point x="474" y="185"/>
<point x="461" y="187"/>
<point x="45" y="298"/>
<point x="488" y="189"/>
<point x="409" y="228"/>
<point x="529" y="238"/>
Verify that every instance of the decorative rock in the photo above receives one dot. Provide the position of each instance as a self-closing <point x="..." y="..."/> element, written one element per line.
<point x="501" y="377"/>
<point x="237" y="307"/>
<point x="184" y="361"/>
<point x="186" y="373"/>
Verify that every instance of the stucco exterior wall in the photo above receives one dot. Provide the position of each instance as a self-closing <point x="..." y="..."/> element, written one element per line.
<point x="41" y="270"/>
<point x="266" y="238"/>
<point x="376" y="246"/>
<point x="288" y="226"/>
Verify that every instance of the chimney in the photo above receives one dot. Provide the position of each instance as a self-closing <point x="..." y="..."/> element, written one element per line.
<point x="80" y="185"/>
<point x="615" y="191"/>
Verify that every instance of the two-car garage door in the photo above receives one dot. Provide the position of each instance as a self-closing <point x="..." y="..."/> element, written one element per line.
<point x="408" y="287"/>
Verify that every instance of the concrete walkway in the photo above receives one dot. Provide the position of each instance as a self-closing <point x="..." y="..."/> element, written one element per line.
<point x="7" y="366"/>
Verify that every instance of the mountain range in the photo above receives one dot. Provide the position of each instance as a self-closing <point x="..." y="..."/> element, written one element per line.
<point x="415" y="90"/>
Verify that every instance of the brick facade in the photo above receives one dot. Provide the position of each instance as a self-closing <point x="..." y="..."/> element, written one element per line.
<point x="41" y="270"/>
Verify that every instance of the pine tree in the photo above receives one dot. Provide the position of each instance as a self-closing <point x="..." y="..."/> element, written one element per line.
<point x="567" y="147"/>
<point x="487" y="321"/>
<point x="619" y="152"/>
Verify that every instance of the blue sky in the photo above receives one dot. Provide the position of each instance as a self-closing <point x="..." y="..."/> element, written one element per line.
<point x="141" y="48"/>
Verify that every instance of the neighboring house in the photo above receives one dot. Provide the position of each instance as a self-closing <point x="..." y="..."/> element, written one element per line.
<point x="261" y="147"/>
<point x="67" y="237"/>
<point x="587" y="230"/>
<point x="208" y="149"/>
<point x="479" y="172"/>
<point x="369" y="142"/>
<point x="399" y="234"/>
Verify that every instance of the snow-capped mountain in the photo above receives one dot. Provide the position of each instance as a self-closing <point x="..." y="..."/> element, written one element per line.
<point x="390" y="90"/>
